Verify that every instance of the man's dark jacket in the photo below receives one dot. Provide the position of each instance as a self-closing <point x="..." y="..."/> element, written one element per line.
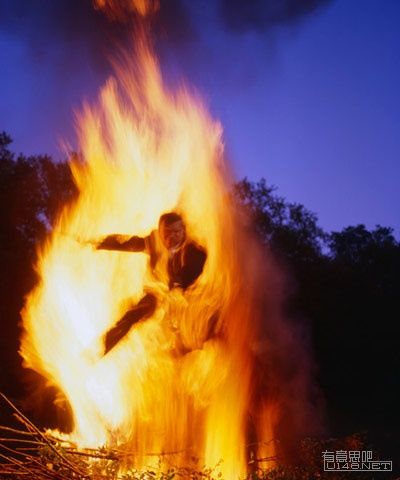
<point x="184" y="265"/>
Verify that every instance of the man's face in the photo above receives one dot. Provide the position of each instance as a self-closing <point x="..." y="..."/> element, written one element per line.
<point x="172" y="235"/>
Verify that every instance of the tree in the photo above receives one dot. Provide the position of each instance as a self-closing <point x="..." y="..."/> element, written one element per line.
<point x="289" y="229"/>
<point x="346" y="285"/>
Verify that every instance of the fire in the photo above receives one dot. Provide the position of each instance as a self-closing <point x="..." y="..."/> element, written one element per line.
<point x="118" y="11"/>
<point x="146" y="151"/>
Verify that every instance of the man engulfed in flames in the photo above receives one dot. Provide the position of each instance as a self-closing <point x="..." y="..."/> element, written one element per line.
<point x="146" y="151"/>
<point x="184" y="265"/>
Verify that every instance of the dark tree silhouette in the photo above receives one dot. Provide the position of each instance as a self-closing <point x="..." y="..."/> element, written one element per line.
<point x="289" y="228"/>
<point x="346" y="285"/>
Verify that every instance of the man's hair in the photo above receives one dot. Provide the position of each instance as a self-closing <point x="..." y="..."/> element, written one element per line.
<point x="169" y="218"/>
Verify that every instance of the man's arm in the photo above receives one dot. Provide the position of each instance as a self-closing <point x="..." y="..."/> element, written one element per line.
<point x="120" y="243"/>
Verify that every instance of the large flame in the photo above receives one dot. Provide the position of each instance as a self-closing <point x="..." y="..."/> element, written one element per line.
<point x="146" y="151"/>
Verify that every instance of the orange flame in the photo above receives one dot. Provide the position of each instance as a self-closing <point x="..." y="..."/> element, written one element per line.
<point x="118" y="10"/>
<point x="147" y="151"/>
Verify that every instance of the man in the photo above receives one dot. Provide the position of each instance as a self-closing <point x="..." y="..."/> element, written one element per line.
<point x="184" y="264"/>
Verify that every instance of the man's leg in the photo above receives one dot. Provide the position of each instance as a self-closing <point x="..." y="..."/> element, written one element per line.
<point x="144" y="309"/>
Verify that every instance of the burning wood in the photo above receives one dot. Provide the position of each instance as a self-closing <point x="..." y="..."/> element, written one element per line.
<point x="39" y="455"/>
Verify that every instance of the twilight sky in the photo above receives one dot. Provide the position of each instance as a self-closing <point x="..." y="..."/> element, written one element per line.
<point x="308" y="95"/>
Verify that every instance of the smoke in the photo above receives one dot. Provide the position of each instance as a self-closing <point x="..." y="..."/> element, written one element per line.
<point x="260" y="15"/>
<point x="67" y="35"/>
<point x="73" y="24"/>
<point x="286" y="370"/>
<point x="80" y="33"/>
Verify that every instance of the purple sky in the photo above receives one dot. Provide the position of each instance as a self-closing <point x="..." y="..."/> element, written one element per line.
<point x="311" y="105"/>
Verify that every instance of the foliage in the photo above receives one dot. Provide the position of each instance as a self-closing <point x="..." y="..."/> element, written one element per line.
<point x="32" y="190"/>
<point x="289" y="228"/>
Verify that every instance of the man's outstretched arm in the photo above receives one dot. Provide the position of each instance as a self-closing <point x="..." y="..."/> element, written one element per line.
<point x="121" y="243"/>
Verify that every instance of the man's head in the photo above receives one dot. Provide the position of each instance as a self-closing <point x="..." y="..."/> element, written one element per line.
<point x="172" y="230"/>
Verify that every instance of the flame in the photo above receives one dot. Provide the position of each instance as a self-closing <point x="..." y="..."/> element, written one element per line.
<point x="117" y="10"/>
<point x="146" y="151"/>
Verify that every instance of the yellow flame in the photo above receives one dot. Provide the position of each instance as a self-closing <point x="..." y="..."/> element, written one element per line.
<point x="146" y="151"/>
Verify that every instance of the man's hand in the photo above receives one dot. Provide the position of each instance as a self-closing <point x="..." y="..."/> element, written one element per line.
<point x="108" y="243"/>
